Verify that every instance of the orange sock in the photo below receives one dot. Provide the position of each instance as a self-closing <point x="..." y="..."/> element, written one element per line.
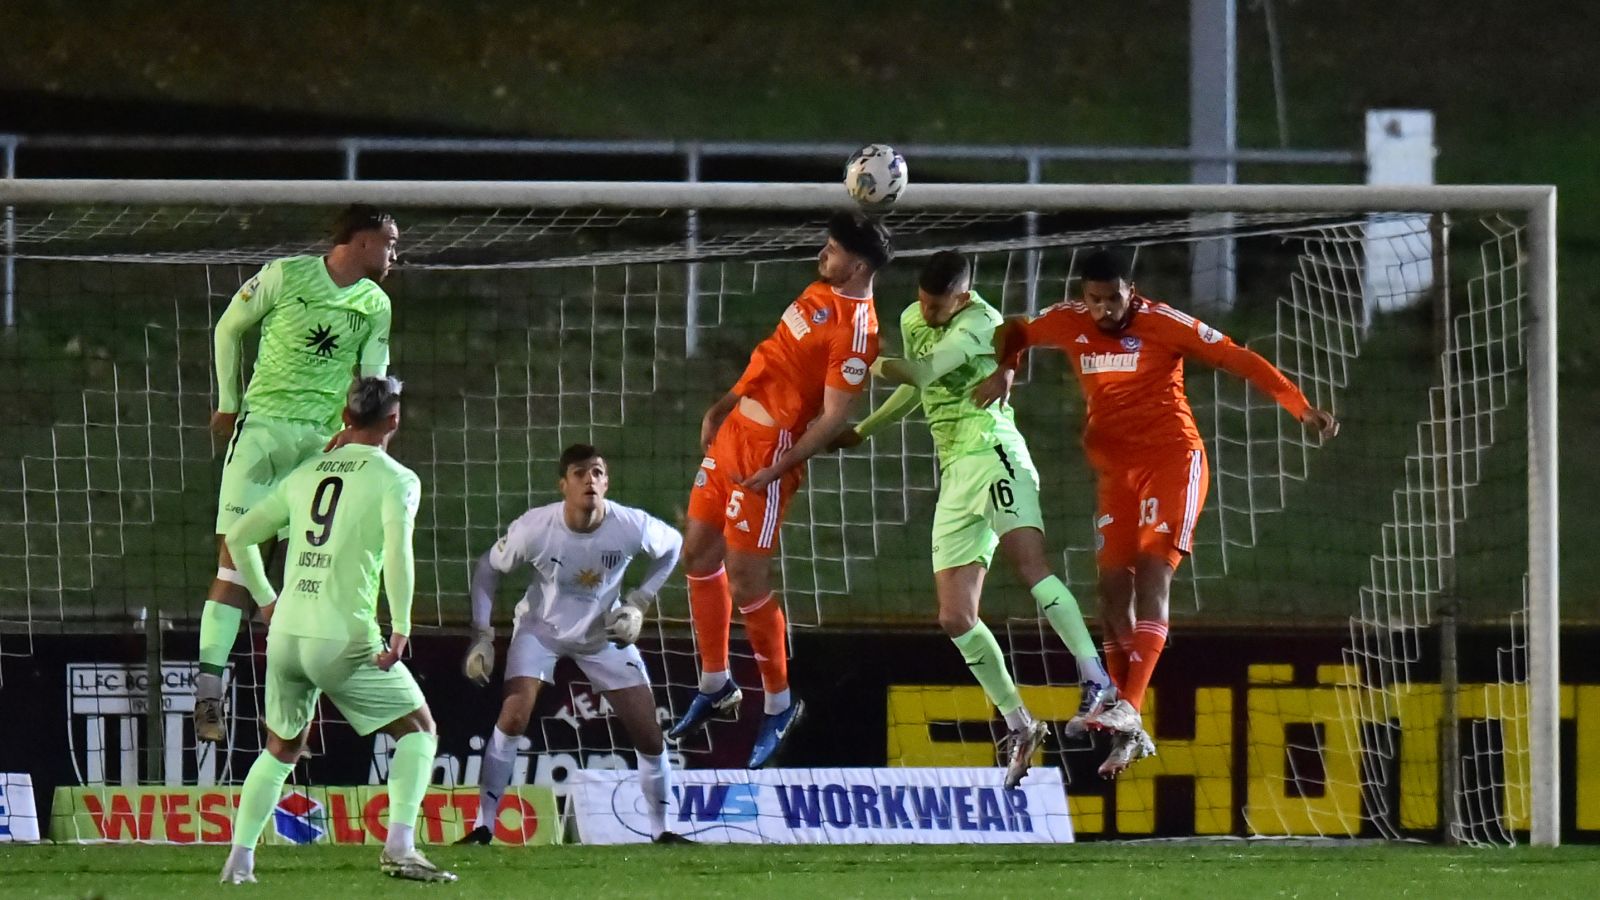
<point x="1149" y="637"/>
<point x="1116" y="662"/>
<point x="711" y="606"/>
<point x="765" y="625"/>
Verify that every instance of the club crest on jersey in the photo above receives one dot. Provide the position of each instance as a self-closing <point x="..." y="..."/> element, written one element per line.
<point x="818" y="317"/>
<point x="700" y="478"/>
<point x="1131" y="343"/>
<point x="610" y="558"/>
<point x="854" y="370"/>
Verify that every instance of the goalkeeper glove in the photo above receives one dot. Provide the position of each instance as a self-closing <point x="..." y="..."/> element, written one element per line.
<point x="479" y="664"/>
<point x="623" y="622"/>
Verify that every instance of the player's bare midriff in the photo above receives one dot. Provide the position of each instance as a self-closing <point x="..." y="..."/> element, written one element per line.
<point x="755" y="412"/>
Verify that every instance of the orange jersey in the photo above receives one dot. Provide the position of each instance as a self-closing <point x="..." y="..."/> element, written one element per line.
<point x="1133" y="380"/>
<point x="824" y="339"/>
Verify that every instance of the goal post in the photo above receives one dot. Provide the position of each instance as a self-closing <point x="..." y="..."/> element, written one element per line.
<point x="84" y="210"/>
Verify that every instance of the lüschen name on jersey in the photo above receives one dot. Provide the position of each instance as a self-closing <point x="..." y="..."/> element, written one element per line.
<point x="1097" y="363"/>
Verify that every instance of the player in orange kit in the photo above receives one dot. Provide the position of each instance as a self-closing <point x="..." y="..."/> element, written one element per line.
<point x="793" y="399"/>
<point x="1141" y="440"/>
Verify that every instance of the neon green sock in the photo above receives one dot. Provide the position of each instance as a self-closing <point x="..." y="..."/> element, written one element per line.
<point x="219" y="626"/>
<point x="258" y="797"/>
<point x="409" y="774"/>
<point x="982" y="653"/>
<point x="1061" y="608"/>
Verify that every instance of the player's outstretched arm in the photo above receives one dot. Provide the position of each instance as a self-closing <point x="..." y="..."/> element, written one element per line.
<point x="836" y="405"/>
<point x="485" y="581"/>
<point x="663" y="544"/>
<point x="1217" y="349"/>
<point x="478" y="665"/>
<point x="1320" y="421"/>
<point x="261" y="523"/>
<point x="399" y="565"/>
<point x="898" y="405"/>
<point x="375" y="351"/>
<point x="1011" y="338"/>
<point x="711" y="422"/>
<point x="250" y="304"/>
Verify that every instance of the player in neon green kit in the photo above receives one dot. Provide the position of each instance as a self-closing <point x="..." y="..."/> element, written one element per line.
<point x="323" y="320"/>
<point x="350" y="514"/>
<point x="988" y="494"/>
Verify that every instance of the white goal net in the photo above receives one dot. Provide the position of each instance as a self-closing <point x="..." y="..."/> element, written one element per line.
<point x="1362" y="642"/>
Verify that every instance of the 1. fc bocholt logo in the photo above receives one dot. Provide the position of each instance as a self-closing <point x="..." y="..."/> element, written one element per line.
<point x="610" y="558"/>
<point x="106" y="727"/>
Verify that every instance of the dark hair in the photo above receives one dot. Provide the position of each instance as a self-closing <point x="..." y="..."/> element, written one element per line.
<point x="575" y="454"/>
<point x="373" y="399"/>
<point x="862" y="236"/>
<point x="945" y="272"/>
<point x="356" y="218"/>
<point x="1103" y="265"/>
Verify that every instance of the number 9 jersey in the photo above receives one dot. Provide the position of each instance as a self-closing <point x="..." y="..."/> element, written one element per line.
<point x="350" y="515"/>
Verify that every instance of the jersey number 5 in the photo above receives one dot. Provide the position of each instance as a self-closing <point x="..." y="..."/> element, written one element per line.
<point x="327" y="495"/>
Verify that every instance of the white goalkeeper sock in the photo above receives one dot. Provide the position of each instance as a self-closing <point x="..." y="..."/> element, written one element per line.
<point x="1018" y="718"/>
<point x="498" y="759"/>
<point x="1090" y="668"/>
<point x="207" y="687"/>
<point x="776" y="702"/>
<point x="655" y="782"/>
<point x="241" y="859"/>
<point x="401" y="840"/>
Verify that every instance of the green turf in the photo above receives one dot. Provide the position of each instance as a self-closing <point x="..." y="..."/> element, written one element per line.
<point x="1229" y="869"/>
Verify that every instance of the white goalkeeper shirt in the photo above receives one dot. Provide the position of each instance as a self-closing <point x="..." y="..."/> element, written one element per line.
<point x="577" y="575"/>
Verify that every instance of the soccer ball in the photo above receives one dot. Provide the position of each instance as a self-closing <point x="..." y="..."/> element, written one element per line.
<point x="876" y="175"/>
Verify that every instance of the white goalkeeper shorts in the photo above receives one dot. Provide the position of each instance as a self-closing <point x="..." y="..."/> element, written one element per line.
<point x="611" y="668"/>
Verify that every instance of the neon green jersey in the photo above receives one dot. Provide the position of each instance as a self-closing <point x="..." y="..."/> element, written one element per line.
<point x="350" y="515"/>
<point x="959" y="426"/>
<point x="314" y="335"/>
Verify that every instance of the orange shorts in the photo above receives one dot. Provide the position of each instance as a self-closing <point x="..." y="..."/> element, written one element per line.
<point x="1150" y="507"/>
<point x="749" y="519"/>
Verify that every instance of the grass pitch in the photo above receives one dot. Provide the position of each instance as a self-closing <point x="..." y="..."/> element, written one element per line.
<point x="1163" y="869"/>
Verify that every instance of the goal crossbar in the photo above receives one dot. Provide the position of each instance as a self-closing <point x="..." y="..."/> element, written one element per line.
<point x="782" y="196"/>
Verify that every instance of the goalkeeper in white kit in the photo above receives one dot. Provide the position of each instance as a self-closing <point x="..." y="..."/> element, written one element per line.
<point x="579" y="549"/>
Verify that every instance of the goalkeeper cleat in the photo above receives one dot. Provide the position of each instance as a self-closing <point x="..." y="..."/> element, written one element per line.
<point x="208" y="721"/>
<point x="671" y="837"/>
<point x="1119" y="717"/>
<point x="1126" y="749"/>
<point x="774" y="729"/>
<point x="1096" y="698"/>
<point x="481" y="836"/>
<point x="703" y="707"/>
<point x="412" y="866"/>
<point x="1018" y="749"/>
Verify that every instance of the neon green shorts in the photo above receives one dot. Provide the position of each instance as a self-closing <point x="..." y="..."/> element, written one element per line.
<point x="263" y="450"/>
<point x="301" y="669"/>
<point x="981" y="497"/>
